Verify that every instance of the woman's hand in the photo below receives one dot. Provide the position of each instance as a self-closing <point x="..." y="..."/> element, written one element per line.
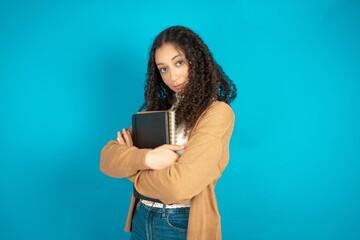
<point x="124" y="138"/>
<point x="156" y="159"/>
<point x="162" y="157"/>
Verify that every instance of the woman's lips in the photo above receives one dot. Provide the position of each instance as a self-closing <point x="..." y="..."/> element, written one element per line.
<point x="179" y="87"/>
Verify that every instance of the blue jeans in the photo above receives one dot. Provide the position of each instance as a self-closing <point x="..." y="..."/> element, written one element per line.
<point x="150" y="223"/>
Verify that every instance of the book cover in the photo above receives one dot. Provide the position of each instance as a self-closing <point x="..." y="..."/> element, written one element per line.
<point x="152" y="129"/>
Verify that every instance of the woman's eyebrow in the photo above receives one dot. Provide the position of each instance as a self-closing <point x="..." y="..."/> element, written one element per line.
<point x="178" y="55"/>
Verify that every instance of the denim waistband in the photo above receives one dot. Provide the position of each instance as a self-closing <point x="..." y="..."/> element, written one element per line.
<point x="164" y="209"/>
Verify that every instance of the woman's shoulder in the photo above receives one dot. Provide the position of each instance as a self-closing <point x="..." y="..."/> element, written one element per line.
<point x="219" y="111"/>
<point x="221" y="108"/>
<point x="218" y="116"/>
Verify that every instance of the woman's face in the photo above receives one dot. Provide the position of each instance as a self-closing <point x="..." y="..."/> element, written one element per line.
<point x="173" y="66"/>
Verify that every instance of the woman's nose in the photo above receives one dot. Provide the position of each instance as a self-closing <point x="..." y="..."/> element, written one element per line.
<point x="174" y="75"/>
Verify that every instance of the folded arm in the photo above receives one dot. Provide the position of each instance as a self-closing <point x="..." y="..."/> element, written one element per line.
<point x="198" y="166"/>
<point x="121" y="161"/>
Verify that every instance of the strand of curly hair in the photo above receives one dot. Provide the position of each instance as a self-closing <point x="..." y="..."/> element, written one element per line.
<point x="207" y="80"/>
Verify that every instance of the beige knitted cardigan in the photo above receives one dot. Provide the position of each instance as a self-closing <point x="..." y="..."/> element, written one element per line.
<point x="193" y="176"/>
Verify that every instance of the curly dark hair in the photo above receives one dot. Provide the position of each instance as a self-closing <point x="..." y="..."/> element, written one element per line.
<point x="207" y="81"/>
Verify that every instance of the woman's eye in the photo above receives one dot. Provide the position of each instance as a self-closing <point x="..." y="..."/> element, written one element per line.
<point x="162" y="70"/>
<point x="179" y="63"/>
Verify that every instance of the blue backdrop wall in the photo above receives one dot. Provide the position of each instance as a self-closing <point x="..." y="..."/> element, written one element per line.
<point x="72" y="73"/>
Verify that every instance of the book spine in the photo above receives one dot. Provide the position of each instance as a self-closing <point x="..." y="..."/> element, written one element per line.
<point x="134" y="131"/>
<point x="172" y="133"/>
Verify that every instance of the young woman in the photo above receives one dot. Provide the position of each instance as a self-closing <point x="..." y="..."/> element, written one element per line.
<point x="178" y="179"/>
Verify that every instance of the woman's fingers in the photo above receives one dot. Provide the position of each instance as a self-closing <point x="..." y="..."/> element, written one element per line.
<point x="124" y="138"/>
<point x="120" y="139"/>
<point x="127" y="137"/>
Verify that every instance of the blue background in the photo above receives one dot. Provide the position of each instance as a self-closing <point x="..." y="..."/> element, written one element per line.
<point x="72" y="73"/>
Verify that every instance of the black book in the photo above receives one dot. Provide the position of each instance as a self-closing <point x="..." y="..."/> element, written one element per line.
<point x="152" y="129"/>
